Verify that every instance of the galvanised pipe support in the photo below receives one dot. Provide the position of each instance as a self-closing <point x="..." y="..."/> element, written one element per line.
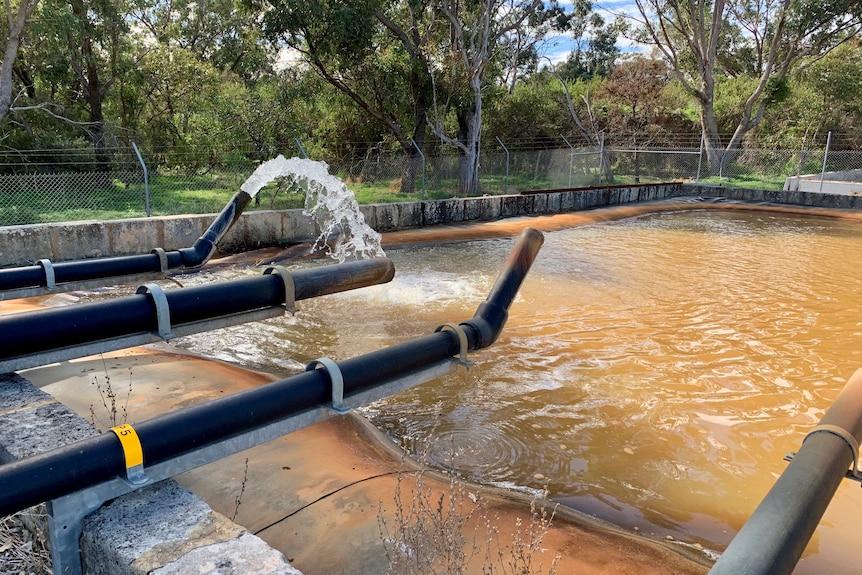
<point x="95" y="268"/>
<point x="39" y="331"/>
<point x="774" y="537"/>
<point x="43" y="477"/>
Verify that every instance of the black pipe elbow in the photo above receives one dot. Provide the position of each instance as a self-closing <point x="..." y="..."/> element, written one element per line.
<point x="205" y="246"/>
<point x="199" y="254"/>
<point x="492" y="314"/>
<point x="487" y="324"/>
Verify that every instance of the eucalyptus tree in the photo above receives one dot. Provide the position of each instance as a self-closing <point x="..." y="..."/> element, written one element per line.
<point x="595" y="39"/>
<point x="824" y="98"/>
<point x="223" y="33"/>
<point x="17" y="14"/>
<point x="476" y="30"/>
<point x="767" y="39"/>
<point x="373" y="51"/>
<point x="81" y="51"/>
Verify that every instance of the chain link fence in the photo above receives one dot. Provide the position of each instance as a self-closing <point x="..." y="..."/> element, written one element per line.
<point x="119" y="185"/>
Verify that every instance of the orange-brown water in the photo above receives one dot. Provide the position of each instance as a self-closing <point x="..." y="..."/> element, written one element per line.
<point x="653" y="372"/>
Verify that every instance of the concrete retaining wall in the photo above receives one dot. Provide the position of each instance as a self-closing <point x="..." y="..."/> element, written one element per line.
<point x="162" y="529"/>
<point x="796" y="198"/>
<point x="20" y="245"/>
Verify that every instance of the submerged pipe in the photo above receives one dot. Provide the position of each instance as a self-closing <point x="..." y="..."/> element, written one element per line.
<point x="50" y="275"/>
<point x="88" y="462"/>
<point x="44" y="330"/>
<point x="774" y="537"/>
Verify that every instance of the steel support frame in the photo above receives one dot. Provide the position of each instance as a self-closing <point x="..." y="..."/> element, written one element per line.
<point x="114" y="344"/>
<point x="66" y="514"/>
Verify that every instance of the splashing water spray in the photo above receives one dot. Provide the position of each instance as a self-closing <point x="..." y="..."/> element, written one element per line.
<point x="328" y="201"/>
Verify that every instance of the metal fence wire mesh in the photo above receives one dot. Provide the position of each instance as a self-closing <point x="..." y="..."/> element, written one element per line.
<point x="63" y="186"/>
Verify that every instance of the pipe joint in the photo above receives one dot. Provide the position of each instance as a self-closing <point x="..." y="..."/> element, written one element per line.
<point x="198" y="254"/>
<point x="487" y="324"/>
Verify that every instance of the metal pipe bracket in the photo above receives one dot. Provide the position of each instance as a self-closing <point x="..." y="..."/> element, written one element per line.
<point x="48" y="268"/>
<point x="289" y="286"/>
<point x="337" y="379"/>
<point x="853" y="473"/>
<point x="133" y="454"/>
<point x="163" y="310"/>
<point x="462" y="342"/>
<point x="163" y="259"/>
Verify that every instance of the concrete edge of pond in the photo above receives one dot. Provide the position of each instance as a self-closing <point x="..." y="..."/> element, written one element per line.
<point x="129" y="536"/>
<point x="25" y="244"/>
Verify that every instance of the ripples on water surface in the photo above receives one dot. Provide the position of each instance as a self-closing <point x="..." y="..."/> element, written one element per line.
<point x="653" y="372"/>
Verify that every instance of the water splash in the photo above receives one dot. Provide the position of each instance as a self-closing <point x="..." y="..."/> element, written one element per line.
<point x="328" y="201"/>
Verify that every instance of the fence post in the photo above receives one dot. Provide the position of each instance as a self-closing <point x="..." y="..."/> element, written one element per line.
<point x="700" y="156"/>
<point x="571" y="158"/>
<point x="301" y="149"/>
<point x="506" y="185"/>
<point x="146" y="180"/>
<point x="418" y="149"/>
<point x="602" y="159"/>
<point x="825" y="157"/>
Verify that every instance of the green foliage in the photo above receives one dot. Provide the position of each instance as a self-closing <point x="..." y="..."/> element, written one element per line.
<point x="534" y="111"/>
<point x="329" y="30"/>
<point x="197" y="87"/>
<point x="730" y="96"/>
<point x="822" y="98"/>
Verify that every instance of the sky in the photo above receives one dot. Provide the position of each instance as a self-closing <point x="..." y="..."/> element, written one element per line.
<point x="559" y="47"/>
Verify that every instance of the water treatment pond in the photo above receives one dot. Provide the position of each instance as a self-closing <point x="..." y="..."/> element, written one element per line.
<point x="653" y="372"/>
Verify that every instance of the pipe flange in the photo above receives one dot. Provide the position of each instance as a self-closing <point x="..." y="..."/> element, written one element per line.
<point x="48" y="268"/>
<point x="462" y="342"/>
<point x="337" y="379"/>
<point x="163" y="259"/>
<point x="163" y="310"/>
<point x="289" y="286"/>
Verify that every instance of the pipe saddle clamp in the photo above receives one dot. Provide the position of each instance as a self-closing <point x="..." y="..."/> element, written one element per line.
<point x="289" y="286"/>
<point x="462" y="342"/>
<point x="337" y="379"/>
<point x="853" y="473"/>
<point x="48" y="268"/>
<point x="163" y="310"/>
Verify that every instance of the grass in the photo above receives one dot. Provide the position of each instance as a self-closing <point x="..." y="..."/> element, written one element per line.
<point x="20" y="551"/>
<point x="751" y="181"/>
<point x="452" y="533"/>
<point x="175" y="193"/>
<point x="449" y="531"/>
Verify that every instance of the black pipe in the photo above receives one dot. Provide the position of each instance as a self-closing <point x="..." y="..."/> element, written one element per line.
<point x="774" y="537"/>
<point x="62" y="471"/>
<point x="492" y="313"/>
<point x="205" y="246"/>
<point x="89" y="269"/>
<point x="39" y="331"/>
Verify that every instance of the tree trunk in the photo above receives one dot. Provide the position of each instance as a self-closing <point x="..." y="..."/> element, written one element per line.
<point x="13" y="41"/>
<point x="411" y="170"/>
<point x="709" y="127"/>
<point x="468" y="136"/>
<point x="92" y="86"/>
<point x="420" y="121"/>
